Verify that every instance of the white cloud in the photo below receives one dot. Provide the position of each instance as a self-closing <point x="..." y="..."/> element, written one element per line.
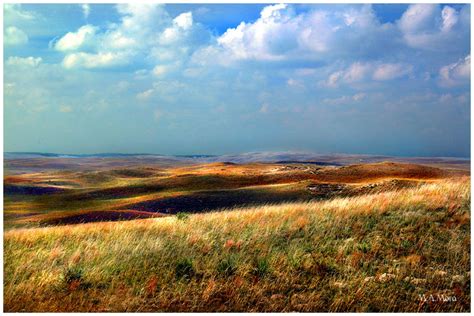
<point x="140" y="74"/>
<point x="268" y="38"/>
<point x="14" y="36"/>
<point x="14" y="13"/>
<point x="75" y="40"/>
<point x="450" y="99"/>
<point x="294" y="83"/>
<point x="359" y="96"/>
<point x="142" y="96"/>
<point x="161" y="70"/>
<point x="334" y="79"/>
<point x="345" y="99"/>
<point x="86" y="10"/>
<point x="280" y="35"/>
<point x="273" y="11"/>
<point x="184" y="20"/>
<point x="145" y="33"/>
<point x="137" y="18"/>
<point x="427" y="26"/>
<point x="24" y="61"/>
<point x="90" y="61"/>
<point x="119" y="43"/>
<point x="359" y="71"/>
<point x="391" y="71"/>
<point x="180" y="25"/>
<point x="456" y="73"/>
<point x="117" y="40"/>
<point x="418" y="17"/>
<point x="450" y="18"/>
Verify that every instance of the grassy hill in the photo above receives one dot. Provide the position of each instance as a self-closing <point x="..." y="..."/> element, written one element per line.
<point x="100" y="194"/>
<point x="398" y="250"/>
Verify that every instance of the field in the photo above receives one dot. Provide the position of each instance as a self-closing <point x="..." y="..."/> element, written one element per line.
<point x="158" y="234"/>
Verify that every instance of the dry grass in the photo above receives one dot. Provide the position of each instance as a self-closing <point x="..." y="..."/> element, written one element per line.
<point x="376" y="252"/>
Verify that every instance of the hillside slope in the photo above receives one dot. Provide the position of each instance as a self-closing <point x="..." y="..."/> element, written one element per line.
<point x="47" y="198"/>
<point x="378" y="252"/>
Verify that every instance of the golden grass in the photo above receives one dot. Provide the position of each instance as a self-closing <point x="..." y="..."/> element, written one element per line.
<point x="112" y="189"/>
<point x="376" y="252"/>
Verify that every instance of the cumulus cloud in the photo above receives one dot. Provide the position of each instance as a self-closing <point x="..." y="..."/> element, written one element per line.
<point x="391" y="71"/>
<point x="271" y="64"/>
<point x="450" y="18"/>
<point x="90" y="61"/>
<point x="428" y="26"/>
<point x="14" y="36"/>
<point x="75" y="40"/>
<point x="418" y="18"/>
<point x="281" y="35"/>
<point x="363" y="71"/>
<point x="184" y="20"/>
<point x="145" y="33"/>
<point x="24" y="61"/>
<point x="271" y="37"/>
<point x="118" y="44"/>
<point x="180" y="25"/>
<point x="456" y="73"/>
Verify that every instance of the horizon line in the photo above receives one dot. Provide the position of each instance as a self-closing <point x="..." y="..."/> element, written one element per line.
<point x="226" y="154"/>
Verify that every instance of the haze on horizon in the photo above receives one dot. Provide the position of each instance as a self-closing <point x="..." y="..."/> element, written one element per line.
<point x="216" y="79"/>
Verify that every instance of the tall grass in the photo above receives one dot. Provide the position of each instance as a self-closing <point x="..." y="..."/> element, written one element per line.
<point x="383" y="252"/>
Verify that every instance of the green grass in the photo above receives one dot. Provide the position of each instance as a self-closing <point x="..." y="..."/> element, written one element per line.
<point x="376" y="252"/>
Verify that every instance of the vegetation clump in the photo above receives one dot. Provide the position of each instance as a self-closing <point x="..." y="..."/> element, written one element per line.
<point x="184" y="269"/>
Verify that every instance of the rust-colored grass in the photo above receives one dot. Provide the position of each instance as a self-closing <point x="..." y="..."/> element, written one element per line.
<point x="378" y="252"/>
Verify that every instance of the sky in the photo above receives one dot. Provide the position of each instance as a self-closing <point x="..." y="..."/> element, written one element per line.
<point x="216" y="79"/>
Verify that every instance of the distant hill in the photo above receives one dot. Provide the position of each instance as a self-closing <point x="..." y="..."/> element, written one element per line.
<point x="252" y="157"/>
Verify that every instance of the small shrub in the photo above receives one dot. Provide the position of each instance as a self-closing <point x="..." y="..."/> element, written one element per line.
<point x="227" y="266"/>
<point x="184" y="269"/>
<point x="261" y="267"/>
<point x="371" y="223"/>
<point x="73" y="274"/>
<point x="364" y="247"/>
<point x="406" y="244"/>
<point x="182" y="216"/>
<point x="73" y="278"/>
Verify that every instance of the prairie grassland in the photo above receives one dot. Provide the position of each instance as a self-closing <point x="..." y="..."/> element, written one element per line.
<point x="70" y="196"/>
<point x="379" y="252"/>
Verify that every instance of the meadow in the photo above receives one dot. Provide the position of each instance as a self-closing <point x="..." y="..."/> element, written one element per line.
<point x="295" y="237"/>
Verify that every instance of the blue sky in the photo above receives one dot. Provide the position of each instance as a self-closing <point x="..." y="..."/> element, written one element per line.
<point x="213" y="79"/>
